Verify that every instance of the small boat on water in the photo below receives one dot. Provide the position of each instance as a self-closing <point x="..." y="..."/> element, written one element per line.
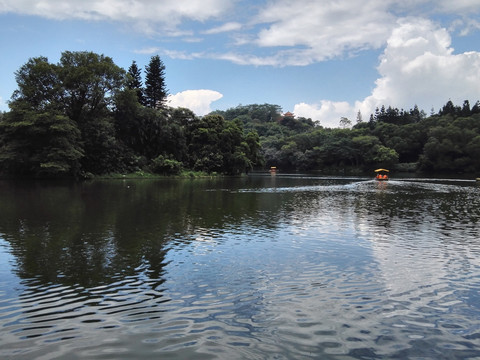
<point x="382" y="174"/>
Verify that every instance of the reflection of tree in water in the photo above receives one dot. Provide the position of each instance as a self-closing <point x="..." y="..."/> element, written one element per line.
<point x="92" y="233"/>
<point x="68" y="233"/>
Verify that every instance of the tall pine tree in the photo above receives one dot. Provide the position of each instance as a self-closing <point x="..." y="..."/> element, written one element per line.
<point x="135" y="82"/>
<point x="155" y="88"/>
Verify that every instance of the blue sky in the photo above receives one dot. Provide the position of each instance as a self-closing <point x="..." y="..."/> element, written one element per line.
<point x="319" y="59"/>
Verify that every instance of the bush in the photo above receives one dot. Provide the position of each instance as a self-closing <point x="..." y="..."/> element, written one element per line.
<point x="165" y="166"/>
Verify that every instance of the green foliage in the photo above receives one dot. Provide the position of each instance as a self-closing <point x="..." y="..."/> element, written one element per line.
<point x="383" y="156"/>
<point x="102" y="151"/>
<point x="165" y="166"/>
<point x="38" y="85"/>
<point x="85" y="116"/>
<point x="453" y="146"/>
<point x="253" y="113"/>
<point x="216" y="145"/>
<point x="134" y="82"/>
<point x="39" y="143"/>
<point x="155" y="88"/>
<point x="88" y="84"/>
<point x="438" y="143"/>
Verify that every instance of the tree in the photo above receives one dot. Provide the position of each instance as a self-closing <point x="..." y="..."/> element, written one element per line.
<point x="204" y="143"/>
<point x="89" y="82"/>
<point x="450" y="109"/>
<point x="345" y="122"/>
<point x="466" y="108"/>
<point x="134" y="82"/>
<point x="38" y="85"/>
<point x="254" y="112"/>
<point x="253" y="149"/>
<point x="155" y="87"/>
<point x="476" y="108"/>
<point x="384" y="156"/>
<point x="216" y="145"/>
<point x="39" y="143"/>
<point x="359" y="117"/>
<point x="37" y="137"/>
<point x="60" y="120"/>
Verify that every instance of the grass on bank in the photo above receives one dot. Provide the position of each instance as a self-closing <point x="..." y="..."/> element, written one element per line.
<point x="147" y="175"/>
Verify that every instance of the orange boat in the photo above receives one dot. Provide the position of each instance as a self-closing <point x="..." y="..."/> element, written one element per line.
<point x="382" y="174"/>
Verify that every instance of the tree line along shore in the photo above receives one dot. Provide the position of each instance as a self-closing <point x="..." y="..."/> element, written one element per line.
<point x="85" y="116"/>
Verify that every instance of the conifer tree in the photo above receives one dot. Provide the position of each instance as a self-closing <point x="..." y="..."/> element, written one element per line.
<point x="155" y="88"/>
<point x="135" y="82"/>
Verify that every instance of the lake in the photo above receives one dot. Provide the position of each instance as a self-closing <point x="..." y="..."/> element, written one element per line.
<point x="255" y="267"/>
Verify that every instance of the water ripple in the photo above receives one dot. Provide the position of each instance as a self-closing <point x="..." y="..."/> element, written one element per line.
<point x="326" y="270"/>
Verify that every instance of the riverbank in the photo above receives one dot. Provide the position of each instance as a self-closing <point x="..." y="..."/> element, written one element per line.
<point x="149" y="175"/>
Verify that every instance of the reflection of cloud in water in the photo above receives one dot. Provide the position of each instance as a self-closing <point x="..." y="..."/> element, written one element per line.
<point x="308" y="267"/>
<point x="405" y="253"/>
<point x="425" y="243"/>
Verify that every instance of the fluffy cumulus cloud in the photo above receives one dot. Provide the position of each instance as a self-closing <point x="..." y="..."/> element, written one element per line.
<point x="417" y="67"/>
<point x="328" y="113"/>
<point x="198" y="101"/>
<point x="315" y="31"/>
<point x="302" y="32"/>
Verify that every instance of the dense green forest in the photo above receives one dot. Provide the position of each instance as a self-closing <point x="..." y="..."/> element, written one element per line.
<point x="447" y="142"/>
<point x="86" y="116"/>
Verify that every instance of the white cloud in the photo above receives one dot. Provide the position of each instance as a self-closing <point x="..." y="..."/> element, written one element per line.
<point x="198" y="101"/>
<point x="148" y="50"/>
<point x="328" y="113"/>
<point x="306" y="31"/>
<point x="322" y="30"/>
<point x="302" y="32"/>
<point x="459" y="6"/>
<point x="417" y="67"/>
<point x="465" y="26"/>
<point x="288" y="32"/>
<point x="182" y="55"/>
<point x="230" y="26"/>
<point x="246" y="59"/>
<point x="145" y="13"/>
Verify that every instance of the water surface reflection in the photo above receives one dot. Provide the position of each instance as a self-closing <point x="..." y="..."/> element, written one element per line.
<point x="255" y="267"/>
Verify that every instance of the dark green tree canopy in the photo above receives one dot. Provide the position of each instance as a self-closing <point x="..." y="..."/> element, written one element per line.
<point x="58" y="113"/>
<point x="89" y="82"/>
<point x="84" y="115"/>
<point x="38" y="84"/>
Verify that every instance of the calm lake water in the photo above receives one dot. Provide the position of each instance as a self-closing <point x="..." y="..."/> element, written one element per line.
<point x="259" y="267"/>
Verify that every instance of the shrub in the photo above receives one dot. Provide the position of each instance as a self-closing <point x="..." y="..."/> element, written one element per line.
<point x="165" y="166"/>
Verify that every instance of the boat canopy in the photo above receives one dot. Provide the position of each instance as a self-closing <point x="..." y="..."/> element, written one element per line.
<point x="381" y="170"/>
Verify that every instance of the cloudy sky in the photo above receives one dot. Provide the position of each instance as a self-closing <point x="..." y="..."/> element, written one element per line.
<point x="322" y="59"/>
